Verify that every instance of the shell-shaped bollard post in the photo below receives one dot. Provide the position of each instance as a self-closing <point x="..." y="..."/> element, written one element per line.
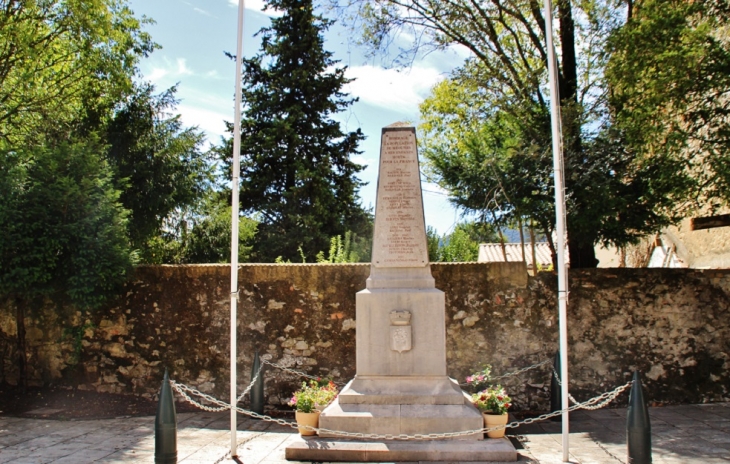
<point x="166" y="426"/>
<point x="638" y="426"/>
<point x="257" y="391"/>
<point x="556" y="400"/>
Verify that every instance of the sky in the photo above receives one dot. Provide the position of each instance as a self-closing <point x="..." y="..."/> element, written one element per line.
<point x="194" y="34"/>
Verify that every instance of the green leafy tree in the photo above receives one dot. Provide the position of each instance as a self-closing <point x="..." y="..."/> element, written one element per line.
<point x="503" y="87"/>
<point x="159" y="165"/>
<point x="458" y="247"/>
<point x="461" y="245"/>
<point x="202" y="235"/>
<point x="297" y="175"/>
<point x="669" y="76"/>
<point x="64" y="64"/>
<point x="493" y="165"/>
<point x="432" y="243"/>
<point x="340" y="251"/>
<point x="63" y="231"/>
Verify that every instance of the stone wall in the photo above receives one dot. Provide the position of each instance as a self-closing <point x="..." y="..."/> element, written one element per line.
<point x="672" y="325"/>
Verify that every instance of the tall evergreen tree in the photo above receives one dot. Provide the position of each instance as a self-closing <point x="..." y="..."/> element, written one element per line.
<point x="296" y="171"/>
<point x="158" y="164"/>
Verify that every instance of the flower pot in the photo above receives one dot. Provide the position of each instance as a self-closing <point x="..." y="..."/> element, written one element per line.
<point x="307" y="418"/>
<point x="493" y="420"/>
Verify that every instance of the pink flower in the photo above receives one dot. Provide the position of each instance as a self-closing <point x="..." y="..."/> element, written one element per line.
<point x="469" y="379"/>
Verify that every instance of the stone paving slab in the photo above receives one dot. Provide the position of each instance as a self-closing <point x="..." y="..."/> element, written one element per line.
<point x="323" y="449"/>
<point x="687" y="434"/>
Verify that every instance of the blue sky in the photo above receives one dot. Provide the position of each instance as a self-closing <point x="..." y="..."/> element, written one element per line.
<point x="194" y="34"/>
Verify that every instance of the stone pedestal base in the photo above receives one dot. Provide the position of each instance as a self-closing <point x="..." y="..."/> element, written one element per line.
<point x="402" y="405"/>
<point x="324" y="449"/>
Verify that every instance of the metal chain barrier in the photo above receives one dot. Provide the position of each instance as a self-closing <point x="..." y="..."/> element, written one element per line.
<point x="574" y="401"/>
<point x="183" y="390"/>
<point x="560" y="384"/>
<point x="602" y="399"/>
<point x="250" y="385"/>
<point x="517" y="372"/>
<point x="298" y="373"/>
<point x="524" y="369"/>
<point x="435" y="436"/>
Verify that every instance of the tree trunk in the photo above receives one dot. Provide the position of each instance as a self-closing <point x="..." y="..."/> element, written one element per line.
<point x="580" y="246"/>
<point x="532" y="243"/>
<point x="582" y="256"/>
<point x="501" y="242"/>
<point x="22" y="356"/>
<point x="522" y="240"/>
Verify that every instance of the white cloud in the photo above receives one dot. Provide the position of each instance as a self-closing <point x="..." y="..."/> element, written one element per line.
<point x="400" y="91"/>
<point x="156" y="75"/>
<point x="210" y="121"/>
<point x="203" y="12"/>
<point x="360" y="159"/>
<point x="258" y="5"/>
<point x="164" y="72"/>
<point x="182" y="68"/>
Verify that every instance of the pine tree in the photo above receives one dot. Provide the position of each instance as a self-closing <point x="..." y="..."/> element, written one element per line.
<point x="296" y="173"/>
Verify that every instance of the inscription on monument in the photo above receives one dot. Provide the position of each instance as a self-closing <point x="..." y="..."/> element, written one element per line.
<point x="399" y="229"/>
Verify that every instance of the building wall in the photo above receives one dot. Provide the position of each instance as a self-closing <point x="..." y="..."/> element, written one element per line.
<point x="673" y="325"/>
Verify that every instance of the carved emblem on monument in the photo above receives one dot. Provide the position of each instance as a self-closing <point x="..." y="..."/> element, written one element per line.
<point x="400" y="331"/>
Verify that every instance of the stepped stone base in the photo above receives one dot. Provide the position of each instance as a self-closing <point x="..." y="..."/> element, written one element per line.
<point x="324" y="449"/>
<point x="402" y="405"/>
<point x="395" y="419"/>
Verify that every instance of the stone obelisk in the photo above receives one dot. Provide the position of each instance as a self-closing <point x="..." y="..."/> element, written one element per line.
<point x="401" y="386"/>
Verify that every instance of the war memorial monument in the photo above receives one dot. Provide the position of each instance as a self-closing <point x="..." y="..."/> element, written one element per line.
<point x="401" y="386"/>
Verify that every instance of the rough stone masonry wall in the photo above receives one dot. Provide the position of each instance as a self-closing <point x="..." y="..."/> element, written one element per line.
<point x="672" y="325"/>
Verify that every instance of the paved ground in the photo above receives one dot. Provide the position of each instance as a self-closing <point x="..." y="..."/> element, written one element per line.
<point x="693" y="434"/>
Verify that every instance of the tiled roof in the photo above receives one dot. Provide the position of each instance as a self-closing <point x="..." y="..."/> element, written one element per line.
<point x="492" y="253"/>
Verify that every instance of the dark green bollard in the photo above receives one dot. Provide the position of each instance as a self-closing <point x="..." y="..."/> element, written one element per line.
<point x="257" y="391"/>
<point x="638" y="426"/>
<point x="166" y="426"/>
<point x="556" y="401"/>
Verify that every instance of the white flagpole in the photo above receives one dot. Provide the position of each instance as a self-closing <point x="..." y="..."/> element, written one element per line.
<point x="234" y="223"/>
<point x="559" y="223"/>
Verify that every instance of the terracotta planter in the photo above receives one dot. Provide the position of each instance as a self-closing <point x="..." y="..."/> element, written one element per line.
<point x="493" y="420"/>
<point x="307" y="418"/>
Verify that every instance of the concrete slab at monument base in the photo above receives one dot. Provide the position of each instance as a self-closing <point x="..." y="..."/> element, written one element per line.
<point x="328" y="449"/>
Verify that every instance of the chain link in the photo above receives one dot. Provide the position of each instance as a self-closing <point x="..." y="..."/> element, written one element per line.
<point x="250" y="385"/>
<point x="520" y="371"/>
<point x="560" y="384"/>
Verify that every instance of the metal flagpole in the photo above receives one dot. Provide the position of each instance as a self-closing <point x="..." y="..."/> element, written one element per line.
<point x="234" y="222"/>
<point x="559" y="223"/>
